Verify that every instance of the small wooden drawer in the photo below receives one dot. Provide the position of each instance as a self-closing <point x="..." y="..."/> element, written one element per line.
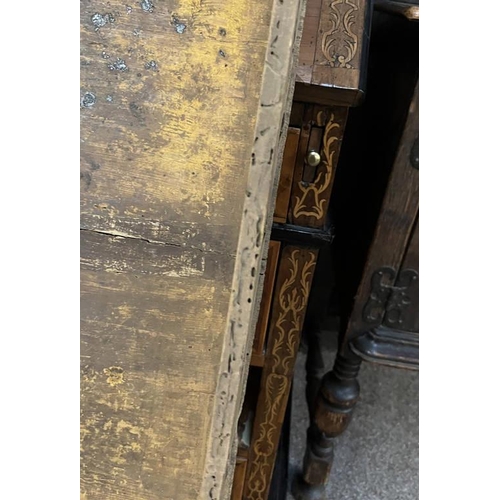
<point x="309" y="162"/>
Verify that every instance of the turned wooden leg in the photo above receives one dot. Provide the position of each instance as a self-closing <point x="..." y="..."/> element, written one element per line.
<point x="333" y="408"/>
<point x="314" y="368"/>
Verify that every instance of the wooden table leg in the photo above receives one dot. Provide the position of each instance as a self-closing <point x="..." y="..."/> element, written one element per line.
<point x="335" y="402"/>
<point x="293" y="284"/>
<point x="314" y="368"/>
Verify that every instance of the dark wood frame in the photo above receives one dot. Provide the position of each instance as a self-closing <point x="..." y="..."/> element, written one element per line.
<point x="389" y="281"/>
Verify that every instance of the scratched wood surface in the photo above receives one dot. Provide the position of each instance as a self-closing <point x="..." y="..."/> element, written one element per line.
<point x="175" y="193"/>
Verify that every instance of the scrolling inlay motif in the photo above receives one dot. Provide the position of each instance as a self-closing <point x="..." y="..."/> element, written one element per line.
<point x="292" y="299"/>
<point x="311" y="203"/>
<point x="339" y="43"/>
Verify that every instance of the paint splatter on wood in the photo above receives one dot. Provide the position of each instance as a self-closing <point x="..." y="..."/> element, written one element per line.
<point x="170" y="97"/>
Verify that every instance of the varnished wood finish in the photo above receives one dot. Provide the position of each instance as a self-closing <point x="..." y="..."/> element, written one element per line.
<point x="375" y="204"/>
<point x="394" y="228"/>
<point x="407" y="320"/>
<point x="286" y="175"/>
<point x="395" y="341"/>
<point x="337" y="396"/>
<point x="317" y="120"/>
<point x="314" y="369"/>
<point x="305" y="189"/>
<point x="265" y="304"/>
<point x="333" y="51"/>
<point x="369" y="147"/>
<point x="175" y="197"/>
<point x="289" y="307"/>
<point x="297" y="114"/>
<point x="310" y="199"/>
<point x="279" y="484"/>
<point x="239" y="478"/>
<point x="387" y="286"/>
<point x="389" y="347"/>
<point x="302" y="235"/>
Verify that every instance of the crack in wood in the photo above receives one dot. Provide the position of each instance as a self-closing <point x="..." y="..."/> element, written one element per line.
<point x="120" y="234"/>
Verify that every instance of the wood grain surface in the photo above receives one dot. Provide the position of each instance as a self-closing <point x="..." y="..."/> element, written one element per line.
<point x="408" y="318"/>
<point x="396" y="221"/>
<point x="323" y="130"/>
<point x="293" y="283"/>
<point x="333" y="52"/>
<point x="175" y="192"/>
<point x="286" y="174"/>
<point x="259" y="341"/>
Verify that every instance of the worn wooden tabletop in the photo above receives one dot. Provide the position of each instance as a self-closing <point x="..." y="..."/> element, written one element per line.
<point x="170" y="102"/>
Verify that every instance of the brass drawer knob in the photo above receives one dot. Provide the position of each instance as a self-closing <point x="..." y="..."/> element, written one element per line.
<point x="313" y="158"/>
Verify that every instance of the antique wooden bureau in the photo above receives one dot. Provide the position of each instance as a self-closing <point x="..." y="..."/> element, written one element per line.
<point x="329" y="80"/>
<point x="376" y="205"/>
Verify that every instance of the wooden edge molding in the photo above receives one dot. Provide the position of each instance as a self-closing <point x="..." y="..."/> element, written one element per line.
<point x="235" y="358"/>
<point x="388" y="347"/>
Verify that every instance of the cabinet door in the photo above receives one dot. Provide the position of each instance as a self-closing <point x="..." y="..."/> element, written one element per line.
<point x="401" y="311"/>
<point x="390" y="275"/>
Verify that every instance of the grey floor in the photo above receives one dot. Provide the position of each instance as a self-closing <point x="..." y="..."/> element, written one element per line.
<point x="377" y="456"/>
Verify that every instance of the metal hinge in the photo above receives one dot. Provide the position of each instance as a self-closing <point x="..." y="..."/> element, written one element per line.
<point x="388" y="302"/>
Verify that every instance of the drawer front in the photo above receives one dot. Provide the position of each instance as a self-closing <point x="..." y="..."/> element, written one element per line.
<point x="322" y="132"/>
<point x="310" y="160"/>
